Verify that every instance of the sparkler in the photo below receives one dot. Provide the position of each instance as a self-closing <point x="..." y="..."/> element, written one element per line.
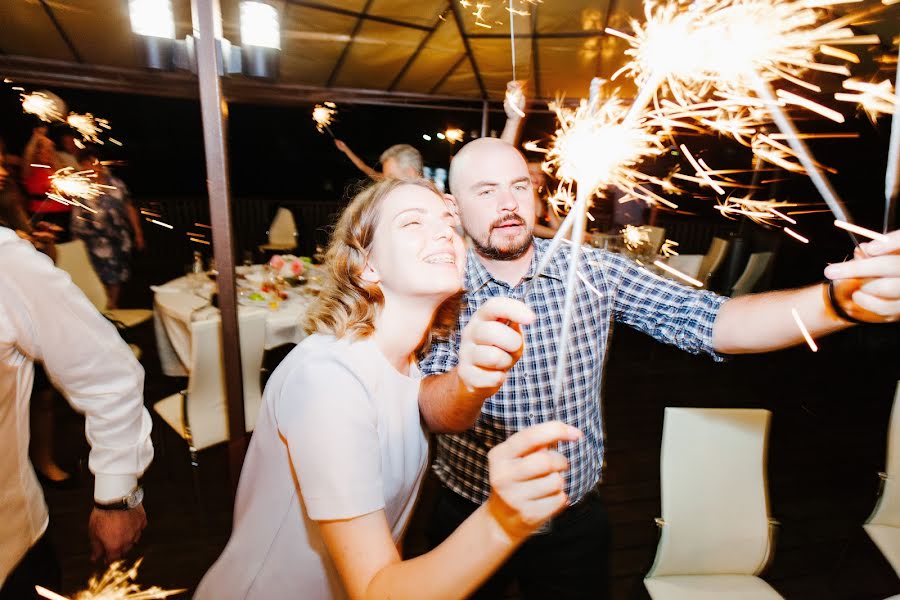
<point x="42" y="105"/>
<point x="874" y="98"/>
<point x="868" y="233"/>
<point x="892" y="172"/>
<point x="454" y="135"/>
<point x="593" y="147"/>
<point x="804" y="331"/>
<point x="677" y="273"/>
<point x="635" y="237"/>
<point x="89" y="126"/>
<point x="730" y="52"/>
<point x="323" y="115"/>
<point x="68" y="185"/>
<point x="668" y="248"/>
<point x="116" y="584"/>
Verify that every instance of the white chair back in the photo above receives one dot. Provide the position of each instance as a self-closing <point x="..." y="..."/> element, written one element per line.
<point x="207" y="413"/>
<point x="753" y="272"/>
<point x="887" y="511"/>
<point x="715" y="517"/>
<point x="73" y="258"/>
<point x="713" y="259"/>
<point x="689" y="264"/>
<point x="283" y="230"/>
<point x="657" y="236"/>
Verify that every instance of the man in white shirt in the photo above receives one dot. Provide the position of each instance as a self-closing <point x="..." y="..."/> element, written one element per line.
<point x="43" y="316"/>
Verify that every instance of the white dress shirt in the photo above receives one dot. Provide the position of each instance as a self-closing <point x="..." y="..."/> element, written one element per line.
<point x="44" y="316"/>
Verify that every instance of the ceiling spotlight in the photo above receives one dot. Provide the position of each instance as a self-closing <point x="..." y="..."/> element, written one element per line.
<point x="426" y="137"/>
<point x="152" y="18"/>
<point x="259" y="25"/>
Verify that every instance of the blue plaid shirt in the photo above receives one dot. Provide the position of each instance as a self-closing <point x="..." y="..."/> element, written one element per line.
<point x="619" y="290"/>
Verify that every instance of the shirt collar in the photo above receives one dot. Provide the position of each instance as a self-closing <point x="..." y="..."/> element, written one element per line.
<point x="477" y="274"/>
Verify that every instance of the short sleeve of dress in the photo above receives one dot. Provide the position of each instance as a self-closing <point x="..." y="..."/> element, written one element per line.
<point x="329" y="424"/>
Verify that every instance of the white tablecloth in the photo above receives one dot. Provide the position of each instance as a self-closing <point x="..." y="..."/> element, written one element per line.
<point x="176" y="304"/>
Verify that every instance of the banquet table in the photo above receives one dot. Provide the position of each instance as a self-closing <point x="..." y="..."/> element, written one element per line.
<point x="179" y="302"/>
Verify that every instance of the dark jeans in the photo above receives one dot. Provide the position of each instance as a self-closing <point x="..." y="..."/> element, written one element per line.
<point x="571" y="562"/>
<point x="39" y="566"/>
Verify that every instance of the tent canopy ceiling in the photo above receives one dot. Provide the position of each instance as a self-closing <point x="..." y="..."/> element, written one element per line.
<point x="414" y="47"/>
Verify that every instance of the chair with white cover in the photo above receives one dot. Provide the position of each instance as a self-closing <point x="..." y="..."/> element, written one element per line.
<point x="689" y="264"/>
<point x="715" y="531"/>
<point x="656" y="235"/>
<point x="73" y="258"/>
<point x="756" y="267"/>
<point x="199" y="414"/>
<point x="712" y="260"/>
<point x="883" y="526"/>
<point x="282" y="233"/>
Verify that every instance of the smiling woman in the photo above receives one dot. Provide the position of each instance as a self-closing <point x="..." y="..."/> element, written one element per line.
<point x="337" y="458"/>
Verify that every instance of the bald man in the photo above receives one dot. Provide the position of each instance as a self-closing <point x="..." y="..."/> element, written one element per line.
<point x="494" y="376"/>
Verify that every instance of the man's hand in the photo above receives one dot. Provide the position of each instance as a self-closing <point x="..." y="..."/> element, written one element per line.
<point x="341" y="146"/>
<point x="491" y="344"/>
<point x="868" y="287"/>
<point x="114" y="532"/>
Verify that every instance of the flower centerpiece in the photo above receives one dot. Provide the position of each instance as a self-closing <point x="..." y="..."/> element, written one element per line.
<point x="287" y="267"/>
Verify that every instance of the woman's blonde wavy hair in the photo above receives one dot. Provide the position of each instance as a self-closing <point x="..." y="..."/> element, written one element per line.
<point x="348" y="304"/>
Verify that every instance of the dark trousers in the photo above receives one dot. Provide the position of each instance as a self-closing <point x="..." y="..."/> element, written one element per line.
<point x="39" y="566"/>
<point x="570" y="562"/>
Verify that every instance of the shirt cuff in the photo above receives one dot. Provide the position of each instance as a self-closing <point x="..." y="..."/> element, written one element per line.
<point x="110" y="488"/>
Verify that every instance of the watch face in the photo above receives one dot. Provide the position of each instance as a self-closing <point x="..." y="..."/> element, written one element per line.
<point x="135" y="498"/>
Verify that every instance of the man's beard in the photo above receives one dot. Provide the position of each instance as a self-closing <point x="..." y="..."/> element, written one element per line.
<point x="509" y="252"/>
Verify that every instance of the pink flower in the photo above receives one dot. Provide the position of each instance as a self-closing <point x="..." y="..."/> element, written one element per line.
<point x="296" y="267"/>
<point x="276" y="262"/>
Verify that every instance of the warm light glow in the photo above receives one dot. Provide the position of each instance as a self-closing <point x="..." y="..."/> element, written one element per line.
<point x="635" y="237"/>
<point x="42" y="106"/>
<point x="259" y="25"/>
<point x="595" y="146"/>
<point x="874" y="98"/>
<point x="152" y="17"/>
<point x="74" y="185"/>
<point x="714" y="59"/>
<point x="116" y="583"/>
<point x="323" y="115"/>
<point x="454" y="135"/>
<point x="89" y="126"/>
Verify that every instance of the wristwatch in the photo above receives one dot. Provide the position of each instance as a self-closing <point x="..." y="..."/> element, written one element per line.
<point x="132" y="500"/>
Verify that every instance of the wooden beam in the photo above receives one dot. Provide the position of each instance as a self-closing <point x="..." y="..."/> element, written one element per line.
<point x="461" y="28"/>
<point x="62" y="32"/>
<point x="424" y="42"/>
<point x="352" y="13"/>
<point x="356" y="27"/>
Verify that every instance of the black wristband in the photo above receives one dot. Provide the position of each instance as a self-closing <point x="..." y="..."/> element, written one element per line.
<point x="838" y="309"/>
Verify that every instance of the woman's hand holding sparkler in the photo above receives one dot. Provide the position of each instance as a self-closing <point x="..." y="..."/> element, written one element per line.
<point x="867" y="288"/>
<point x="527" y="483"/>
